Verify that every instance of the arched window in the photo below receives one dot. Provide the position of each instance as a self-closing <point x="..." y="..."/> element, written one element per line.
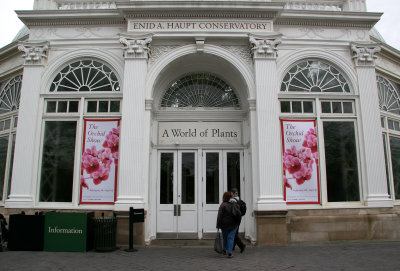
<point x="85" y="103"/>
<point x="85" y="75"/>
<point x="200" y="90"/>
<point x="10" y="94"/>
<point x="303" y="96"/>
<point x="389" y="102"/>
<point x="389" y="99"/>
<point x="10" y="91"/>
<point x="314" y="76"/>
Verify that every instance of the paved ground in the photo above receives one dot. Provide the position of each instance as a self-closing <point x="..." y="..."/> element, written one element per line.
<point x="338" y="256"/>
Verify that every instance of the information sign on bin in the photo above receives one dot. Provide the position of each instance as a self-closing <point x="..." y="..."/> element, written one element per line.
<point x="68" y="232"/>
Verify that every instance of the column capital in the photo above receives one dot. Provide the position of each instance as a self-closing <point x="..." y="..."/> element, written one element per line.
<point x="264" y="46"/>
<point x="35" y="52"/>
<point x="136" y="46"/>
<point x="364" y="54"/>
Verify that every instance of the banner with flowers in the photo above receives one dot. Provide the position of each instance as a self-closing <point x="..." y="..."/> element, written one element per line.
<point x="300" y="161"/>
<point x="99" y="165"/>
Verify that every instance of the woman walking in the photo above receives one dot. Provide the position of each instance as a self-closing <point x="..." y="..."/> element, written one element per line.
<point x="226" y="222"/>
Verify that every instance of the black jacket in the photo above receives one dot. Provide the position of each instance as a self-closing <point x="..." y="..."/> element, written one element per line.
<point x="225" y="219"/>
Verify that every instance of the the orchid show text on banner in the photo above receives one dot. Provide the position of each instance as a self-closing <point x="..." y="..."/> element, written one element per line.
<point x="300" y="161"/>
<point x="99" y="165"/>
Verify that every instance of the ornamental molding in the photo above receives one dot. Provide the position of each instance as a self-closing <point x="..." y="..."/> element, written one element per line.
<point x="159" y="50"/>
<point x="364" y="54"/>
<point x="265" y="46"/>
<point x="322" y="33"/>
<point x="136" y="46"/>
<point x="241" y="51"/>
<point x="315" y="5"/>
<point x="35" y="53"/>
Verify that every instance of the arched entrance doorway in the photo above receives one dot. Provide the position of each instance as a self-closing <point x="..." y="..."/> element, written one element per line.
<point x="201" y="140"/>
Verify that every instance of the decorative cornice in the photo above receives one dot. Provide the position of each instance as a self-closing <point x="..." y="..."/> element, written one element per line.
<point x="35" y="53"/>
<point x="364" y="54"/>
<point x="136" y="46"/>
<point x="264" y="46"/>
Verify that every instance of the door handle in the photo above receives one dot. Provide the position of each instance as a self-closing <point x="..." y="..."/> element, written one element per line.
<point x="177" y="210"/>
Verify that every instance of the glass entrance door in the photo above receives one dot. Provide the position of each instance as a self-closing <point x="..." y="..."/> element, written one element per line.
<point x="190" y="189"/>
<point x="177" y="190"/>
<point x="222" y="171"/>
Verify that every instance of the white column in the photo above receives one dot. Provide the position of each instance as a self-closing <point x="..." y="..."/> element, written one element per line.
<point x="373" y="162"/>
<point x="270" y="188"/>
<point x="134" y="146"/>
<point x="24" y="172"/>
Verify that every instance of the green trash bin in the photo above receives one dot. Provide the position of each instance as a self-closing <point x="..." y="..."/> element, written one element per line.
<point x="105" y="233"/>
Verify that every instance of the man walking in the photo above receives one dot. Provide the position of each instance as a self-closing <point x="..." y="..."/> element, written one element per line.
<point x="235" y="199"/>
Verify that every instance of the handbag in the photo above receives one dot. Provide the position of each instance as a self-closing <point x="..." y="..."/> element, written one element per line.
<point x="218" y="243"/>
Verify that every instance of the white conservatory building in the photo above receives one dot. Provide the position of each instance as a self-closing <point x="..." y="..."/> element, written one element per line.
<point x="164" y="105"/>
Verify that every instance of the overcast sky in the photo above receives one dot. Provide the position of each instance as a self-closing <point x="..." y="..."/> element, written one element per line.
<point x="388" y="26"/>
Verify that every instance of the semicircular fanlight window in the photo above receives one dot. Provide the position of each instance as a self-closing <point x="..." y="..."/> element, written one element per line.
<point x="314" y="76"/>
<point x="389" y="99"/>
<point x="85" y="75"/>
<point x="200" y="90"/>
<point x="10" y="95"/>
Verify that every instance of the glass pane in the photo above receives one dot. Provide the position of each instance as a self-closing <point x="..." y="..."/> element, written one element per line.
<point x="7" y="124"/>
<point x="188" y="178"/>
<point x="51" y="106"/>
<point x="212" y="178"/>
<point x="395" y="152"/>
<point x="62" y="106"/>
<point x="337" y="107"/>
<point x="387" y="166"/>
<point x="308" y="107"/>
<point x="383" y="122"/>
<point x="1" y="125"/>
<point x="326" y="107"/>
<point x="341" y="161"/>
<point x="296" y="107"/>
<point x="396" y="126"/>
<point x="3" y="161"/>
<point x="103" y="106"/>
<point x="11" y="165"/>
<point x="58" y="161"/>
<point x="114" y="106"/>
<point x="233" y="170"/>
<point x="15" y="122"/>
<point x="92" y="106"/>
<point x="167" y="178"/>
<point x="391" y="124"/>
<point x="347" y="107"/>
<point x="73" y="106"/>
<point x="285" y="107"/>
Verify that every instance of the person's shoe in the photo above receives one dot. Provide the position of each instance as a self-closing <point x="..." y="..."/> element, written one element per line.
<point x="230" y="255"/>
<point x="243" y="248"/>
<point x="223" y="252"/>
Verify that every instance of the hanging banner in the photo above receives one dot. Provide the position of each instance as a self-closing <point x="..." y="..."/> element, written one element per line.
<point x="99" y="165"/>
<point x="300" y="161"/>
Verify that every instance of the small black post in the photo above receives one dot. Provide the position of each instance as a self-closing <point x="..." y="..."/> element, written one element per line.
<point x="131" y="249"/>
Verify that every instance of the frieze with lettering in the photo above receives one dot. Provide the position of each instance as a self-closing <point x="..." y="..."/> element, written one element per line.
<point x="183" y="133"/>
<point x="200" y="25"/>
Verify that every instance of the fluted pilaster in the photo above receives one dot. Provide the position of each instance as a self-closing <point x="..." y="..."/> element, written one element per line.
<point x="23" y="176"/>
<point x="373" y="169"/>
<point x="134" y="148"/>
<point x="270" y="192"/>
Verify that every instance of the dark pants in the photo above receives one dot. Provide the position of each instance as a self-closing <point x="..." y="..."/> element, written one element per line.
<point x="238" y="241"/>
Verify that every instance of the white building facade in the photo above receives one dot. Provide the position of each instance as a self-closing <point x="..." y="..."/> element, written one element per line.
<point x="164" y="105"/>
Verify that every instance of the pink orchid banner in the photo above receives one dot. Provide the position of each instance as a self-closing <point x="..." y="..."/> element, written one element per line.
<point x="99" y="165"/>
<point x="300" y="161"/>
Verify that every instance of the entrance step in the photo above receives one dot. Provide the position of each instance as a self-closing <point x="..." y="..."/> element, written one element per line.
<point x="181" y="243"/>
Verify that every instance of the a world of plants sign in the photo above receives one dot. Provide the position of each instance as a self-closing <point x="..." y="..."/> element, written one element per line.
<point x="99" y="164"/>
<point x="300" y="161"/>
